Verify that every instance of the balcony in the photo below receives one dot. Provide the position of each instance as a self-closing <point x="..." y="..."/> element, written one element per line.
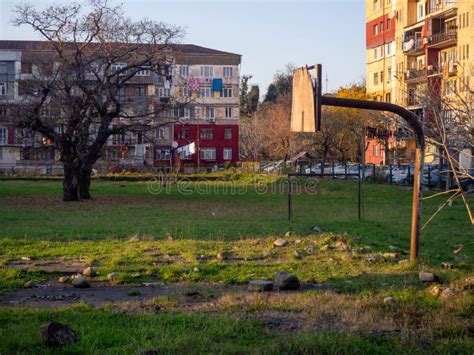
<point x="413" y="46"/>
<point x="413" y="75"/>
<point x="447" y="37"/>
<point x="437" y="5"/>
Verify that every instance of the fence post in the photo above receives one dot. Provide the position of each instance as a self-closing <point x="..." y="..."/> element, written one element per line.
<point x="429" y="176"/>
<point x="390" y="174"/>
<point x="333" y="171"/>
<point x="345" y="170"/>
<point x="408" y="174"/>
<point x="290" y="209"/>
<point x="375" y="180"/>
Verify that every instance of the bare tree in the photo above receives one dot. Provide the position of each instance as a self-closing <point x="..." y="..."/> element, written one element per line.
<point x="90" y="54"/>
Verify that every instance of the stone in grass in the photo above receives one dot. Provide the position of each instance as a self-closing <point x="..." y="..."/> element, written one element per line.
<point x="260" y="285"/>
<point x="389" y="300"/>
<point x="57" y="334"/>
<point x="223" y="255"/>
<point x="30" y="284"/>
<point x="81" y="283"/>
<point x="287" y="234"/>
<point x="64" y="279"/>
<point x="426" y="276"/>
<point x="447" y="265"/>
<point x="286" y="281"/>
<point x="436" y="291"/>
<point x="316" y="229"/>
<point x="112" y="277"/>
<point x="280" y="242"/>
<point x="135" y="238"/>
<point x="298" y="255"/>
<point x="88" y="271"/>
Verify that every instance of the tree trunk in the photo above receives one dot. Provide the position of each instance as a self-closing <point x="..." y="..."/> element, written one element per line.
<point x="85" y="183"/>
<point x="71" y="181"/>
<point x="77" y="181"/>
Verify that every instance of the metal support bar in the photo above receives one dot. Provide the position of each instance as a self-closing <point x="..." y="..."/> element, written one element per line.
<point x="417" y="128"/>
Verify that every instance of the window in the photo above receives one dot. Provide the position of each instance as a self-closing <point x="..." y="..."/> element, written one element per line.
<point x="207" y="72"/>
<point x="163" y="154"/>
<point x="375" y="53"/>
<point x="388" y="24"/>
<point x="121" y="92"/>
<point x="206" y="133"/>
<point x="209" y="112"/>
<point x="375" y="150"/>
<point x="228" y="112"/>
<point x="3" y="135"/>
<point x="420" y="14"/>
<point x="389" y="74"/>
<point x="208" y="153"/>
<point x="381" y="27"/>
<point x="376" y="5"/>
<point x="375" y="31"/>
<point x="186" y="113"/>
<point x="205" y="91"/>
<point x="184" y="91"/>
<point x="227" y="133"/>
<point x="227" y="72"/>
<point x="184" y="134"/>
<point x="3" y="89"/>
<point x="3" y="68"/>
<point x="144" y="72"/>
<point x="376" y="78"/>
<point x="381" y="77"/>
<point x="388" y="97"/>
<point x="227" y="153"/>
<point x="227" y="91"/>
<point x="140" y="90"/>
<point x="117" y="67"/>
<point x="162" y="91"/>
<point x="160" y="133"/>
<point x="450" y="87"/>
<point x="183" y="70"/>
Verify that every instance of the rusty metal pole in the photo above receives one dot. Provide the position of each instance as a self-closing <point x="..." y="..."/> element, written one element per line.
<point x="416" y="205"/>
<point x="417" y="128"/>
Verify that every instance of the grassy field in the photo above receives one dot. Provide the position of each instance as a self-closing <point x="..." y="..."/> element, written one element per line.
<point x="181" y="228"/>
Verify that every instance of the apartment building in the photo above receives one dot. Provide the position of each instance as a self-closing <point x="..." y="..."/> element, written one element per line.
<point x="431" y="51"/>
<point x="198" y="124"/>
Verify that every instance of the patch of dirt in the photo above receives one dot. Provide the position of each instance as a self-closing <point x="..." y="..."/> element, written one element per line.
<point x="66" y="266"/>
<point x="58" y="295"/>
<point x="55" y="201"/>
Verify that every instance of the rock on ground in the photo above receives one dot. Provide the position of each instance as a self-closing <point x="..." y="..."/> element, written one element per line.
<point x="260" y="285"/>
<point x="112" y="277"/>
<point x="30" y="284"/>
<point x="63" y="279"/>
<point x="286" y="281"/>
<point x="426" y="276"/>
<point x="88" y="271"/>
<point x="280" y="242"/>
<point x="81" y="283"/>
<point x="298" y="255"/>
<point x="388" y="300"/>
<point x="57" y="334"/>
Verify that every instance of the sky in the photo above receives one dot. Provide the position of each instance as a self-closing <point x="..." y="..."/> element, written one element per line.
<point x="268" y="34"/>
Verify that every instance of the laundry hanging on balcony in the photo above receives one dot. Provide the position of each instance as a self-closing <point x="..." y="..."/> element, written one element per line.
<point x="217" y="85"/>
<point x="302" y="104"/>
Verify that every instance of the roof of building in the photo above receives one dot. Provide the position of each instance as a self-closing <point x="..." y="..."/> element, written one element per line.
<point x="184" y="53"/>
